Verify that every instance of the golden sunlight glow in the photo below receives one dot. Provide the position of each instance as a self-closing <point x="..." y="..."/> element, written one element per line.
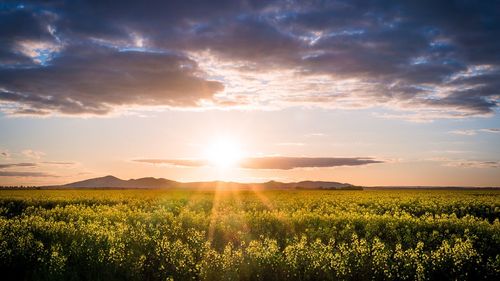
<point x="223" y="153"/>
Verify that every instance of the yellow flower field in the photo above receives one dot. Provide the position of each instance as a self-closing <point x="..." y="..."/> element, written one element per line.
<point x="249" y="235"/>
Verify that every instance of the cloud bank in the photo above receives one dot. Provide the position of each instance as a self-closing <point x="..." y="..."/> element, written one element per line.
<point x="429" y="58"/>
<point x="475" y="131"/>
<point x="10" y="173"/>
<point x="25" y="169"/>
<point x="24" y="174"/>
<point x="277" y="163"/>
<point x="473" y="164"/>
<point x="10" y="165"/>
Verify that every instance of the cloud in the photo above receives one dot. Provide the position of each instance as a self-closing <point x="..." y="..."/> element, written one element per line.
<point x="464" y="132"/>
<point x="24" y="174"/>
<point x="315" y="135"/>
<point x="174" y="162"/>
<point x="451" y="151"/>
<point x="475" y="131"/>
<point x="18" y="26"/>
<point x="33" y="154"/>
<point x="429" y="59"/>
<point x="491" y="130"/>
<point x="59" y="163"/>
<point x="274" y="162"/>
<point x="466" y="163"/>
<point x="286" y="163"/>
<point x="9" y="173"/>
<point x="290" y="144"/>
<point x="6" y="169"/>
<point x="10" y="165"/>
<point x="92" y="80"/>
<point x="4" y="154"/>
<point x="473" y="164"/>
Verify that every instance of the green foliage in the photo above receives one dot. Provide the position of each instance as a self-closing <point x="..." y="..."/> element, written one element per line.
<point x="247" y="235"/>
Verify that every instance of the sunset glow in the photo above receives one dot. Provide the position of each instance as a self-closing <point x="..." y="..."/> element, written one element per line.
<point x="250" y="140"/>
<point x="351" y="91"/>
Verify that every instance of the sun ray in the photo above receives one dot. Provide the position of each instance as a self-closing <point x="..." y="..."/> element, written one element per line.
<point x="215" y="211"/>
<point x="266" y="202"/>
<point x="262" y="198"/>
<point x="239" y="202"/>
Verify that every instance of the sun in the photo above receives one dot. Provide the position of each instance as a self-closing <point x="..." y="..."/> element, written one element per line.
<point x="223" y="152"/>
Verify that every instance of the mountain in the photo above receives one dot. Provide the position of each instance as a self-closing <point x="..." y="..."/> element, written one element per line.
<point x="160" y="183"/>
<point x="106" y="181"/>
<point x="426" y="187"/>
<point x="114" y="182"/>
<point x="319" y="185"/>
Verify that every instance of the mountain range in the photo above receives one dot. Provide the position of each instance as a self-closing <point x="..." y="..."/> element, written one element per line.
<point x="161" y="183"/>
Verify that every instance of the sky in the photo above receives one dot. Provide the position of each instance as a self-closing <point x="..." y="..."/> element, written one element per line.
<point x="365" y="92"/>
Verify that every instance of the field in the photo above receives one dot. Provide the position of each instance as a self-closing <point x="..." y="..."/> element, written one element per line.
<point x="249" y="235"/>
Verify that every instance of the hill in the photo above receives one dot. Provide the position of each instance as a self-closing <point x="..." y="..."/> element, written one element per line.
<point x="114" y="182"/>
<point x="161" y="183"/>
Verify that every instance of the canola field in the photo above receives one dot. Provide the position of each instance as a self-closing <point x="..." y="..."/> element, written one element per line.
<point x="249" y="235"/>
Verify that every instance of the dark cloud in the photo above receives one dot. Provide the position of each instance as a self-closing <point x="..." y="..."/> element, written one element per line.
<point x="90" y="79"/>
<point x="279" y="163"/>
<point x="286" y="163"/>
<point x="9" y="173"/>
<point x="414" y="55"/>
<point x="24" y="174"/>
<point x="10" y="165"/>
<point x="17" y="26"/>
<point x="5" y="169"/>
<point x="247" y="38"/>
